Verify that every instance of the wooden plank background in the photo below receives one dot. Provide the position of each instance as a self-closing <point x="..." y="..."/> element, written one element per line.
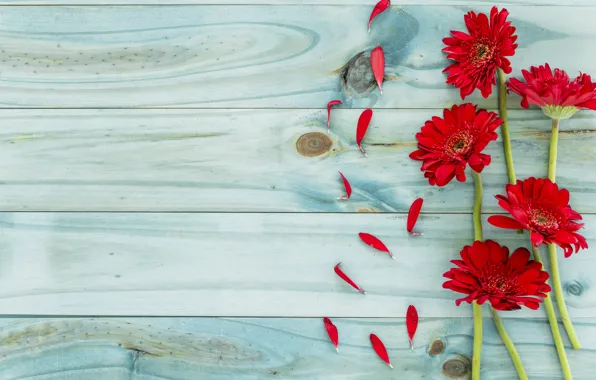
<point x="173" y="161"/>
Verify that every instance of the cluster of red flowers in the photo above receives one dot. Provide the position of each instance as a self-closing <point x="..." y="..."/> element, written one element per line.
<point x="448" y="144"/>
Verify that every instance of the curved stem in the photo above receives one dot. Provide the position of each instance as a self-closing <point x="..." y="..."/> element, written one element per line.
<point x="556" y="278"/>
<point x="477" y="340"/>
<point x="477" y="206"/>
<point x="552" y="249"/>
<point x="505" y="126"/>
<point x="517" y="363"/>
<point x="554" y="326"/>
<point x="552" y="157"/>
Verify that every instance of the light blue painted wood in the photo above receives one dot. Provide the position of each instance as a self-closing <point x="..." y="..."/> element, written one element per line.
<point x="370" y="3"/>
<point x="243" y="264"/>
<point x="255" y="349"/>
<point x="256" y="56"/>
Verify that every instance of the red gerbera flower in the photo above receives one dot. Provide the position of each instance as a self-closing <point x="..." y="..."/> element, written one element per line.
<point x="558" y="97"/>
<point x="479" y="53"/>
<point x="537" y="205"/>
<point x="446" y="146"/>
<point x="487" y="273"/>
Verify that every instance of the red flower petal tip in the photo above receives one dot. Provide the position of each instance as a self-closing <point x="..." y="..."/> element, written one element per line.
<point x="347" y="186"/>
<point x="347" y="279"/>
<point x="329" y="105"/>
<point x="413" y="214"/>
<point x="541" y="208"/>
<point x="332" y="332"/>
<point x="446" y="146"/>
<point x="380" y="349"/>
<point x="486" y="272"/>
<point x="375" y="243"/>
<point x="363" y="123"/>
<point x="478" y="53"/>
<point x="377" y="10"/>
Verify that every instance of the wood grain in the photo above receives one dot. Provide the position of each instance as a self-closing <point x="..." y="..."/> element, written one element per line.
<point x="257" y="160"/>
<point x="249" y="349"/>
<point x="244" y="264"/>
<point x="256" y="56"/>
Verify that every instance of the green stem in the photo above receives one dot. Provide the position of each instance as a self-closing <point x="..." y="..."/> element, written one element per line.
<point x="517" y="363"/>
<point x="477" y="206"/>
<point x="552" y="157"/>
<point x="477" y="340"/>
<point x="505" y="126"/>
<point x="556" y="278"/>
<point x="552" y="249"/>
<point x="554" y="326"/>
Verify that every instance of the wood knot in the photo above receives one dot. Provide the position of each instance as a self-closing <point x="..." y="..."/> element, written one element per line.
<point x="313" y="144"/>
<point x="436" y="348"/>
<point x="459" y="368"/>
<point x="574" y="288"/>
<point x="356" y="76"/>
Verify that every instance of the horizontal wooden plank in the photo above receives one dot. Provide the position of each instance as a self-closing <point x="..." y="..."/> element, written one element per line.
<point x="370" y="3"/>
<point x="256" y="56"/>
<point x="243" y="265"/>
<point x="249" y="349"/>
<point x="257" y="160"/>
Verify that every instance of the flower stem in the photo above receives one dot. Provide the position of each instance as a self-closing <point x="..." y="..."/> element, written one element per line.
<point x="554" y="326"/>
<point x="505" y="126"/>
<point x="477" y="340"/>
<point x="517" y="363"/>
<point x="552" y="249"/>
<point x="554" y="269"/>
<point x="477" y="206"/>
<point x="552" y="157"/>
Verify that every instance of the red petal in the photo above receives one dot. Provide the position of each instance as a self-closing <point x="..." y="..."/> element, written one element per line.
<point x="347" y="186"/>
<point x="411" y="323"/>
<point x="519" y="258"/>
<point x="332" y="332"/>
<point x="377" y="64"/>
<point x="374" y="242"/>
<point x="536" y="238"/>
<point x="329" y="105"/>
<point x="363" y="123"/>
<point x="413" y="214"/>
<point x="504" y="222"/>
<point x="380" y="349"/>
<point x="347" y="279"/>
<point x="378" y="9"/>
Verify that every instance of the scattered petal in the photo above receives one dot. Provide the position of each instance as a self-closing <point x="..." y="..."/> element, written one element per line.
<point x="377" y="10"/>
<point x="363" y="123"/>
<point x="347" y="186"/>
<point x="374" y="242"/>
<point x="332" y="332"/>
<point x="377" y="64"/>
<point x="380" y="349"/>
<point x="329" y="105"/>
<point x="347" y="279"/>
<point x="413" y="216"/>
<point x="412" y="323"/>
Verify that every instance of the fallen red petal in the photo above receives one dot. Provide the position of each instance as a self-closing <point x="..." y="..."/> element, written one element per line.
<point x="347" y="279"/>
<point x="347" y="186"/>
<point x="412" y="323"/>
<point x="332" y="332"/>
<point x="329" y="105"/>
<point x="363" y="123"/>
<point x="413" y="216"/>
<point x="377" y="64"/>
<point x="377" y="10"/>
<point x="380" y="349"/>
<point x="374" y="242"/>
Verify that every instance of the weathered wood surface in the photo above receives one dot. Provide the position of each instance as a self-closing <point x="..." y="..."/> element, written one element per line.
<point x="257" y="160"/>
<point x="244" y="264"/>
<point x="370" y="3"/>
<point x="254" y="349"/>
<point x="256" y="56"/>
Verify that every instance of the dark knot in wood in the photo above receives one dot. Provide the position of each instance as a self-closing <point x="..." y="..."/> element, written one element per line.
<point x="356" y="76"/>
<point x="313" y="144"/>
<point x="436" y="348"/>
<point x="459" y="368"/>
<point x="574" y="288"/>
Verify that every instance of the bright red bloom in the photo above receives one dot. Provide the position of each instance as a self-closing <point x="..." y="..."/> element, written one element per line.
<point x="479" y="53"/>
<point x="447" y="145"/>
<point x="537" y="205"/>
<point x="558" y="97"/>
<point x="487" y="273"/>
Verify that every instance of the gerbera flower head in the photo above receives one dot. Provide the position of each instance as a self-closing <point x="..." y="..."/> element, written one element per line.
<point x="558" y="97"/>
<point x="486" y="272"/>
<point x="539" y="206"/>
<point x="447" y="145"/>
<point x="478" y="53"/>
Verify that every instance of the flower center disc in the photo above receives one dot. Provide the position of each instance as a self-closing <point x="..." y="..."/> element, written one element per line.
<point x="543" y="219"/>
<point x="458" y="144"/>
